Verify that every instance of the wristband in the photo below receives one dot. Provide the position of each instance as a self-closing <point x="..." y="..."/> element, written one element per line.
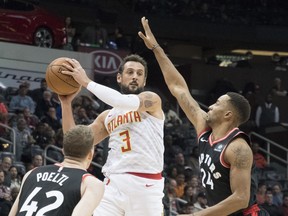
<point x="155" y="46"/>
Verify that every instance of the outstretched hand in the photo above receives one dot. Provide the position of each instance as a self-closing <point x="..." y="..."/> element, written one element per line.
<point x="148" y="38"/>
<point x="75" y="70"/>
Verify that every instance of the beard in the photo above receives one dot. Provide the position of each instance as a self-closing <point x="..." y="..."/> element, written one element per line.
<point x="127" y="90"/>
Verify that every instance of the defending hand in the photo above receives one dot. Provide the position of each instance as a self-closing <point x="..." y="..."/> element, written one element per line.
<point x="148" y="38"/>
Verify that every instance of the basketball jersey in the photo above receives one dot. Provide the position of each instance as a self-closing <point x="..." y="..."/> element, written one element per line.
<point x="51" y="190"/>
<point x="135" y="143"/>
<point x="215" y="172"/>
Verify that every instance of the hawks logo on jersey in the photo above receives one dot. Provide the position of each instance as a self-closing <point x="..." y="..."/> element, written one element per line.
<point x="129" y="117"/>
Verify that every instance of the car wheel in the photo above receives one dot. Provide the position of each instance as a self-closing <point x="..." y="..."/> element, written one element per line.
<point x="43" y="38"/>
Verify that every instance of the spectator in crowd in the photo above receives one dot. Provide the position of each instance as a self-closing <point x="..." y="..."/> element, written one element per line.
<point x="166" y="200"/>
<point x="268" y="113"/>
<point x="91" y="106"/>
<point x="23" y="139"/>
<point x="51" y="119"/>
<point x="37" y="94"/>
<point x="15" y="177"/>
<point x="259" y="159"/>
<point x="3" y="106"/>
<point x="195" y="183"/>
<point x="179" y="162"/>
<point x="120" y="39"/>
<point x="5" y="192"/>
<point x="277" y="88"/>
<point x="4" y="119"/>
<point x="171" y="117"/>
<point x="56" y="101"/>
<point x="6" y="163"/>
<point x="170" y="192"/>
<point x="6" y="206"/>
<point x="252" y="92"/>
<point x="261" y="192"/>
<point x="284" y="207"/>
<point x="70" y="33"/>
<point x="81" y="117"/>
<point x="31" y="119"/>
<point x="170" y="149"/>
<point x="37" y="160"/>
<point x="58" y="142"/>
<point x="201" y="202"/>
<point x="45" y="103"/>
<point x="180" y="179"/>
<point x="27" y="85"/>
<point x="188" y="194"/>
<point x="188" y="208"/>
<point x="95" y="35"/>
<point x="41" y="135"/>
<point x="22" y="100"/>
<point x="192" y="160"/>
<point x="268" y="205"/>
<point x="277" y="194"/>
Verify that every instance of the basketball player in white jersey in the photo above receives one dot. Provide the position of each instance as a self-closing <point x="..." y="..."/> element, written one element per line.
<point x="134" y="185"/>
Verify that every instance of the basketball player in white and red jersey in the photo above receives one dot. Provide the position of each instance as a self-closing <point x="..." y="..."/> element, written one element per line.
<point x="135" y="124"/>
<point x="225" y="154"/>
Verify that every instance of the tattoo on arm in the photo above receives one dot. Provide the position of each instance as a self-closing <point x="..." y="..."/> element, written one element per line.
<point x="186" y="104"/>
<point x="242" y="159"/>
<point x="148" y="101"/>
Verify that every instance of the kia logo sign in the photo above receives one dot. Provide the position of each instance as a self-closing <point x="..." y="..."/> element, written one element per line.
<point x="106" y="62"/>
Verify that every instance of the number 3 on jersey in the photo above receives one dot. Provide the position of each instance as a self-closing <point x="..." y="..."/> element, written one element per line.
<point x="126" y="139"/>
<point x="32" y="207"/>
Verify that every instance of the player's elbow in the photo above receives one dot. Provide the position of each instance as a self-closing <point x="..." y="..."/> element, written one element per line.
<point x="243" y="200"/>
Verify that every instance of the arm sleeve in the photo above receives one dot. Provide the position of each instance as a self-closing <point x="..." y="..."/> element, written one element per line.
<point x="114" y="98"/>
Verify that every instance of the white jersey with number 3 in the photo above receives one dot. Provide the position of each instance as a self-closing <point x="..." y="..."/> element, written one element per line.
<point x="135" y="143"/>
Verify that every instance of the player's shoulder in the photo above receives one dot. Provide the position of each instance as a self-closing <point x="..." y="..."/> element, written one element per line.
<point x="239" y="144"/>
<point x="150" y="96"/>
<point x="149" y="93"/>
<point x="90" y="180"/>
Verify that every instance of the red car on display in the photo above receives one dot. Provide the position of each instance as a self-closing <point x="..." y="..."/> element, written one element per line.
<point x="27" y="23"/>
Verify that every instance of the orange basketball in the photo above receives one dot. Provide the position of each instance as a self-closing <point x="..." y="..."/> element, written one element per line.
<point x="59" y="83"/>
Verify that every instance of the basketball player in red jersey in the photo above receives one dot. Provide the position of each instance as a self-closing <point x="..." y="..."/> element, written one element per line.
<point x="135" y="126"/>
<point x="225" y="155"/>
<point x="64" y="188"/>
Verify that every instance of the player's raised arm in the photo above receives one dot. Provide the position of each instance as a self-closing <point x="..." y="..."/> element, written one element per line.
<point x="174" y="80"/>
<point x="67" y="114"/>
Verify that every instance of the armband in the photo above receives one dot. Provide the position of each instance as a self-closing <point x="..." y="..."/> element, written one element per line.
<point x="114" y="98"/>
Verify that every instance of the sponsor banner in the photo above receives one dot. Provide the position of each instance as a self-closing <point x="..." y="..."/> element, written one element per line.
<point x="107" y="62"/>
<point x="13" y="78"/>
<point x="100" y="61"/>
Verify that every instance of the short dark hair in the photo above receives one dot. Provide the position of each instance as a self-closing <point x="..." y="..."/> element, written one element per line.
<point x="78" y="142"/>
<point x="241" y="105"/>
<point x="134" y="58"/>
<point x="201" y="194"/>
